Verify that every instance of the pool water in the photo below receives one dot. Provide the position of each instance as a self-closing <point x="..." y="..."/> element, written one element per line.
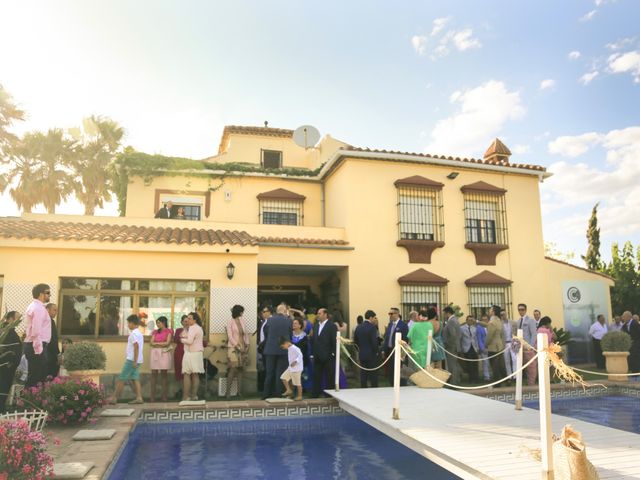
<point x="331" y="447"/>
<point x="614" y="411"/>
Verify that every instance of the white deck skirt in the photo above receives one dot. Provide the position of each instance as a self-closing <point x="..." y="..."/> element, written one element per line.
<point x="475" y="437"/>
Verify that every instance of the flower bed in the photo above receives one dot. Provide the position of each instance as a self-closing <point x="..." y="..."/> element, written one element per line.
<point x="23" y="453"/>
<point x="66" y="400"/>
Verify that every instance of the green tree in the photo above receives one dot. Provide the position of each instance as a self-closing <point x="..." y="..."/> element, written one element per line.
<point x="41" y="161"/>
<point x="9" y="113"/>
<point x="593" y="258"/>
<point x="98" y="143"/>
<point x="625" y="295"/>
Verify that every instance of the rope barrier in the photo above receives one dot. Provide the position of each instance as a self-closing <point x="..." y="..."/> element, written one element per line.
<point x="605" y="374"/>
<point x="440" y="347"/>
<point x="479" y="387"/>
<point x="390" y="356"/>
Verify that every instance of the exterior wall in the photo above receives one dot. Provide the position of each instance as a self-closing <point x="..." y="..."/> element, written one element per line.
<point x="241" y="207"/>
<point x="47" y="264"/>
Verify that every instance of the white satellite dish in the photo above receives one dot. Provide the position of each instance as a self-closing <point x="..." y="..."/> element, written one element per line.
<point x="306" y="136"/>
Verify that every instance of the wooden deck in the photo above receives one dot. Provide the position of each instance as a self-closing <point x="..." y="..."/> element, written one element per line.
<point x="475" y="437"/>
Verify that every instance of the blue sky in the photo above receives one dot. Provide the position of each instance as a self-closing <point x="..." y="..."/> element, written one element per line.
<point x="559" y="82"/>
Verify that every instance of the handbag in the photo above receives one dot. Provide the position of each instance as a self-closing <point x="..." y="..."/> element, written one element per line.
<point x="570" y="457"/>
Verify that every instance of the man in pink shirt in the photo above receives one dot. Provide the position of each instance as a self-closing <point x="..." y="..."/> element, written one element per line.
<point x="38" y="335"/>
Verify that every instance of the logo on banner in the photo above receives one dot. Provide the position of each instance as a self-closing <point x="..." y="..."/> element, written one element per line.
<point x="573" y="294"/>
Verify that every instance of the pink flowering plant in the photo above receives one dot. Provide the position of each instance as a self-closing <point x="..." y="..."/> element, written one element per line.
<point x="65" y="399"/>
<point x="23" y="453"/>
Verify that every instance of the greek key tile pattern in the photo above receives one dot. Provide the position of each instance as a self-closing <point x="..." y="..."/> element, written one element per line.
<point x="239" y="413"/>
<point x="570" y="392"/>
<point x="222" y="299"/>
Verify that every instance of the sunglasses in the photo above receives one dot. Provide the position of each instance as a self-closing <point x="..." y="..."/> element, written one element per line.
<point x="47" y="292"/>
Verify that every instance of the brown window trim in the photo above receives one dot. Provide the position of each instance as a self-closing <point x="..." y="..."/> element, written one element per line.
<point x="206" y="195"/>
<point x="485" y="253"/>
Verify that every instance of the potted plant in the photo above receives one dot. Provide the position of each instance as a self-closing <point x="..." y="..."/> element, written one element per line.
<point x="85" y="360"/>
<point x="615" y="348"/>
<point x="562" y="339"/>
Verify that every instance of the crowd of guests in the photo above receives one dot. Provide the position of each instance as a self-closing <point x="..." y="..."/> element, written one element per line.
<point x="628" y="323"/>
<point x="485" y="349"/>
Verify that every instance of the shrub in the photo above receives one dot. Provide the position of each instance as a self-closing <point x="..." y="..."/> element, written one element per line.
<point x="616" y="342"/>
<point x="23" y="453"/>
<point x="84" y="356"/>
<point x="66" y="400"/>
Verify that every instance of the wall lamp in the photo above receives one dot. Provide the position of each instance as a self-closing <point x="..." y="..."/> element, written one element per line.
<point x="452" y="175"/>
<point x="231" y="270"/>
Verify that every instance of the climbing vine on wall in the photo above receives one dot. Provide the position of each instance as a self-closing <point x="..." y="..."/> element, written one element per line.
<point x="131" y="163"/>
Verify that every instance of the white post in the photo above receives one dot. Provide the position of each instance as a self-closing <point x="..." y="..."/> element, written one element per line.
<point x="429" y="345"/>
<point x="546" y="435"/>
<point x="337" y="373"/>
<point x="396" y="377"/>
<point x="519" y="364"/>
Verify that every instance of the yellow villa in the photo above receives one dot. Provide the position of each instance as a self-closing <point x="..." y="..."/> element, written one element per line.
<point x="267" y="220"/>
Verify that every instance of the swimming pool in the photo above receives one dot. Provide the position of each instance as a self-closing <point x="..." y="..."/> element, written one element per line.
<point x="331" y="447"/>
<point x="616" y="411"/>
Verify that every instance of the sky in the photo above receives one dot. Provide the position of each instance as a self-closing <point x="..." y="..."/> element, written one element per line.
<point x="558" y="82"/>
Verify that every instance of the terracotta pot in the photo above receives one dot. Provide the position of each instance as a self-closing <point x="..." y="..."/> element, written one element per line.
<point x="617" y="363"/>
<point x="93" y="375"/>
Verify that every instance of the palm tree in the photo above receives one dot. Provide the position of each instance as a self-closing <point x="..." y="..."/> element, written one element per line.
<point x="99" y="142"/>
<point x="9" y="113"/>
<point x="41" y="162"/>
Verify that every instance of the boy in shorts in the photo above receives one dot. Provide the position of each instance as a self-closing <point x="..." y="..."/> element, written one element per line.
<point x="131" y="367"/>
<point x="292" y="374"/>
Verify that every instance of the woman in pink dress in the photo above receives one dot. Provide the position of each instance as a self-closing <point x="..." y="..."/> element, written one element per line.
<point x="178" y="353"/>
<point x="160" y="357"/>
<point x="237" y="348"/>
<point x="545" y="327"/>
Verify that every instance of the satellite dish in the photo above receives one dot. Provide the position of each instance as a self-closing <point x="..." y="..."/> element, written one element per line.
<point x="306" y="136"/>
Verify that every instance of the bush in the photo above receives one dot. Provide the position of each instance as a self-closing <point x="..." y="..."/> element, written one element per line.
<point x="616" y="342"/>
<point x="84" y="356"/>
<point x="23" y="453"/>
<point x="66" y="400"/>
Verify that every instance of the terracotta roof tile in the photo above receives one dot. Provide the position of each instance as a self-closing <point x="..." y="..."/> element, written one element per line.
<point x="42" y="230"/>
<point x="264" y="131"/>
<point x="487" y="278"/>
<point x="443" y="157"/>
<point x="303" y="241"/>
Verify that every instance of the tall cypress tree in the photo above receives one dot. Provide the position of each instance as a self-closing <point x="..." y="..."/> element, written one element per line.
<point x="592" y="258"/>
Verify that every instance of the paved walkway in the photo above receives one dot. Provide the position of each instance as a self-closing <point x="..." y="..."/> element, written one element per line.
<point x="476" y="437"/>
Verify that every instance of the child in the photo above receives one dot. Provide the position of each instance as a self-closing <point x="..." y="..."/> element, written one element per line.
<point x="294" y="372"/>
<point x="131" y="367"/>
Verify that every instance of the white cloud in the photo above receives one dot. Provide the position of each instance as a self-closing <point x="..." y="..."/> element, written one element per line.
<point x="439" y="24"/>
<point x="419" y="43"/>
<point x="521" y="149"/>
<point x="620" y="43"/>
<point x="628" y="62"/>
<point x="482" y="113"/>
<point x="578" y="186"/>
<point x="547" y="83"/>
<point x="444" y="40"/>
<point x="588" y="16"/>
<point x="587" y="78"/>
<point x="463" y="40"/>
<point x="574" y="55"/>
<point x="572" y="146"/>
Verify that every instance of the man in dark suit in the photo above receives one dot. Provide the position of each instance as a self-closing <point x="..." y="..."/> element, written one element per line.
<point x="279" y="325"/>
<point x="396" y="325"/>
<point x="11" y="348"/>
<point x="366" y="339"/>
<point x="53" y="368"/>
<point x="324" y="352"/>
<point x="166" y="211"/>
<point x="632" y="327"/>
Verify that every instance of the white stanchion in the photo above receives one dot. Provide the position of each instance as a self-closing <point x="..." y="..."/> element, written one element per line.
<point x="546" y="434"/>
<point x="396" y="377"/>
<point x="519" y="364"/>
<point x="429" y="344"/>
<point x="337" y="371"/>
